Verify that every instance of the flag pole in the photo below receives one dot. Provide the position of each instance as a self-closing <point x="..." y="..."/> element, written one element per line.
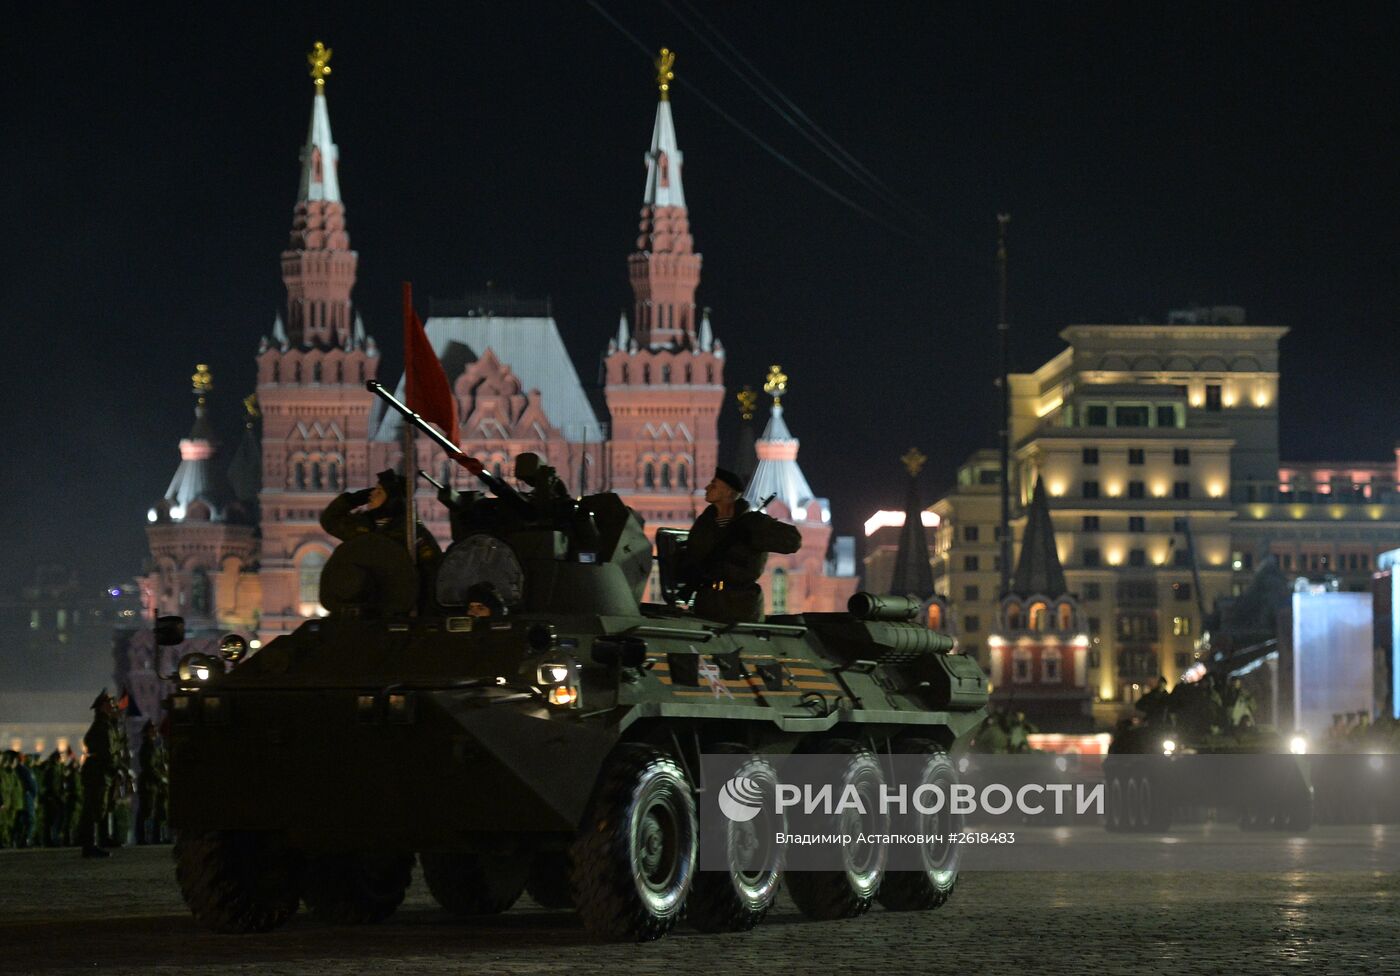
<point x="410" y="453"/>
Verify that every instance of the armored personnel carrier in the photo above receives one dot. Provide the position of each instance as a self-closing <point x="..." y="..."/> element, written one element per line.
<point x="553" y="746"/>
<point x="1189" y="758"/>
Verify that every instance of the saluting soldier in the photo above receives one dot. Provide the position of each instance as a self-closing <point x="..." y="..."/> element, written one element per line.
<point x="727" y="550"/>
<point x="381" y="510"/>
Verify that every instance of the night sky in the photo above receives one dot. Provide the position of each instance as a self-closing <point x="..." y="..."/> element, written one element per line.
<point x="1153" y="156"/>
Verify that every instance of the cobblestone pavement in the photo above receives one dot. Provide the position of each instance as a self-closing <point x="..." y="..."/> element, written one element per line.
<point x="60" y="914"/>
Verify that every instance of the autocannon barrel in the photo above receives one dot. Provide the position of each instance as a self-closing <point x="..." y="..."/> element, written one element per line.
<point x="869" y="606"/>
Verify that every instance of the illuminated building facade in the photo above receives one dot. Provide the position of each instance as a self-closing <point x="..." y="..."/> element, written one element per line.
<point x="251" y="560"/>
<point x="1158" y="449"/>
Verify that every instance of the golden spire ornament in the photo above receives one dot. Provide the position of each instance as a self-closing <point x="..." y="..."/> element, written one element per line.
<point x="665" y="62"/>
<point x="914" y="461"/>
<point x="319" y="60"/>
<point x="748" y="402"/>
<point x="776" y="384"/>
<point x="250" y="409"/>
<point x="202" y="381"/>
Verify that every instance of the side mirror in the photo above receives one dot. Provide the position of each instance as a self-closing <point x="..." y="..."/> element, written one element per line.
<point x="233" y="648"/>
<point x="620" y="652"/>
<point x="170" y="631"/>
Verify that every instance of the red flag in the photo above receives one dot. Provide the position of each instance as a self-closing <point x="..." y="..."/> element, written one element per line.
<point x="426" y="390"/>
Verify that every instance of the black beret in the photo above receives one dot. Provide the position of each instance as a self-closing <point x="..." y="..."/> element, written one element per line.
<point x="729" y="478"/>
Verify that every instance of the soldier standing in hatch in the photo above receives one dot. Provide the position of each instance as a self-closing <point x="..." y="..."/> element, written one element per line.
<point x="1154" y="705"/>
<point x="383" y="511"/>
<point x="98" y="773"/>
<point x="727" y="550"/>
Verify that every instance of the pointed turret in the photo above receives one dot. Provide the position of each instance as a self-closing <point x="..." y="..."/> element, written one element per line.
<point x="1038" y="570"/>
<point x="196" y="491"/>
<point x="707" y="334"/>
<point x="624" y="335"/>
<point x="319" y="268"/>
<point x="245" y="470"/>
<point x="777" y="472"/>
<point x="913" y="574"/>
<point x="665" y="270"/>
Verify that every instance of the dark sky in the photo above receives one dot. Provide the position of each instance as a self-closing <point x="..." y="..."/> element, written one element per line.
<point x="1152" y="156"/>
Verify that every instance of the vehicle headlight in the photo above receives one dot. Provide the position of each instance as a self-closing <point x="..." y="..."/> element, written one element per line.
<point x="563" y="695"/>
<point x="1168" y="747"/>
<point x="1298" y="745"/>
<point x="552" y="674"/>
<point x="196" y="667"/>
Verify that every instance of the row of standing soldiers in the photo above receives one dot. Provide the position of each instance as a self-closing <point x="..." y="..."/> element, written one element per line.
<point x="90" y="802"/>
<point x="1212" y="705"/>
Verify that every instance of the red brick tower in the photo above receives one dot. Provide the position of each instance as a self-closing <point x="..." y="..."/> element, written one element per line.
<point x="664" y="374"/>
<point x="311" y="383"/>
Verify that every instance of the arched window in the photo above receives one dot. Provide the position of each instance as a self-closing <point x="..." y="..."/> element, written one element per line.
<point x="309" y="584"/>
<point x="447" y="467"/>
<point x="299" y="481"/>
<point x="649" y="475"/>
<point x="688" y="372"/>
<point x="666" y="373"/>
<point x="626" y="373"/>
<point x="780" y="590"/>
<point x="296" y="373"/>
<point x="1037" y="617"/>
<point x="665" y="475"/>
<point x="935" y="617"/>
<point x="646" y="372"/>
<point x="709" y="373"/>
<point x="682" y="476"/>
<point x="1021" y="666"/>
<point x="1066" y="615"/>
<point x="315" y="476"/>
<point x="315" y="372"/>
<point x="1013" y="618"/>
<point x="277" y="372"/>
<point x="333" y="475"/>
<point x="362" y="372"/>
<point x="199" y="592"/>
<point x="496" y="470"/>
<point x="1050" y="665"/>
<point x="340" y="372"/>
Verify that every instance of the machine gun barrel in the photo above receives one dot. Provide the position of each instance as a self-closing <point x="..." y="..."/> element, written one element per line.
<point x="498" y="487"/>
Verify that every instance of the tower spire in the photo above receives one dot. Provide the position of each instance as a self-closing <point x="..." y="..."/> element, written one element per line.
<point x="664" y="270"/>
<point x="913" y="575"/>
<point x="318" y="267"/>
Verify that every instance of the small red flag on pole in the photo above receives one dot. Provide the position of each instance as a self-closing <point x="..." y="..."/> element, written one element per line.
<point x="426" y="390"/>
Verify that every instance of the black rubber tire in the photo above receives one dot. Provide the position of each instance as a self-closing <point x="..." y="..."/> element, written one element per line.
<point x="1113" y="820"/>
<point x="737" y="900"/>
<point x="828" y="895"/>
<point x="474" y="884"/>
<point x="548" y="881"/>
<point x="921" y="891"/>
<point x="356" y="889"/>
<point x="642" y="805"/>
<point x="236" y="882"/>
<point x="1154" y="805"/>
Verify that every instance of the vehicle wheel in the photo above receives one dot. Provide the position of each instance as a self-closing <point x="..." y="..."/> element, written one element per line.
<point x="850" y="891"/>
<point x="1114" y="819"/>
<point x="356" y="889"/>
<point x="475" y="884"/>
<point x="548" y="881"/>
<point x="1154" y="806"/>
<point x="634" y="858"/>
<point x="1131" y="805"/>
<point x="904" y="891"/>
<point x="238" y="881"/>
<point x="737" y="899"/>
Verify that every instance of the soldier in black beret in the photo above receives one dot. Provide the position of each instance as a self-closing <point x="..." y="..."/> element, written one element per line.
<point x="727" y="551"/>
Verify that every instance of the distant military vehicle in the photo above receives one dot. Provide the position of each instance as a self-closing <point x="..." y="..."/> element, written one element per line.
<point x="1153" y="772"/>
<point x="554" y="747"/>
